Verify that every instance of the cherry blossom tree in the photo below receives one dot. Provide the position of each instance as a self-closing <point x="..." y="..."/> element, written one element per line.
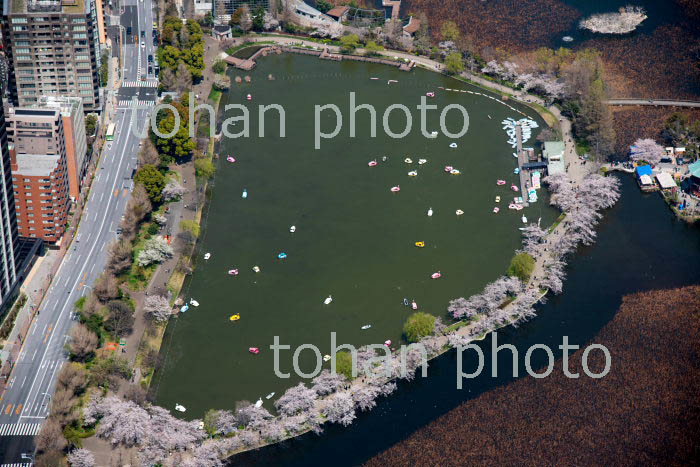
<point x="172" y="190"/>
<point x="296" y="399"/>
<point x="155" y="250"/>
<point x="273" y="431"/>
<point x="120" y="422"/>
<point x="157" y="307"/>
<point x="81" y="458"/>
<point x="251" y="416"/>
<point x="326" y="383"/>
<point x="340" y="409"/>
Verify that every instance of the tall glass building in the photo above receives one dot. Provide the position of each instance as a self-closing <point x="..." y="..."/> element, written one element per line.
<point x="9" y="236"/>
<point x="223" y="9"/>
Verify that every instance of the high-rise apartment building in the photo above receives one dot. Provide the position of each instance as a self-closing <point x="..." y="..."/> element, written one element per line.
<point x="8" y="220"/>
<point x="39" y="171"/>
<point x="53" y="49"/>
<point x="71" y="109"/>
<point x="224" y="9"/>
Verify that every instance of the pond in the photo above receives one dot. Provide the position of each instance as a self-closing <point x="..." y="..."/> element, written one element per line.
<point x="354" y="239"/>
<point x="641" y="246"/>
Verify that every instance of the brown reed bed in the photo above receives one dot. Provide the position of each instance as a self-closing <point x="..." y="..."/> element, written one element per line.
<point x="646" y="411"/>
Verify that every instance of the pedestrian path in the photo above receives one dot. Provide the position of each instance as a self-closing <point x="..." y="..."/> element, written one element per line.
<point x="19" y="429"/>
<point x="150" y="83"/>
<point x="128" y="104"/>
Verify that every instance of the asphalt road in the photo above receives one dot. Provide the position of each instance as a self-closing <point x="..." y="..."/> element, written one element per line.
<point x="25" y="403"/>
<point x="663" y="102"/>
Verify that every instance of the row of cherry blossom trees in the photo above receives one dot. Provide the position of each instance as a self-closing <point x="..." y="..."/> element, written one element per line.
<point x="166" y="440"/>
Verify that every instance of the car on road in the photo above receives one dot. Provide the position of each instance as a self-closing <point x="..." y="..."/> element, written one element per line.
<point x="143" y="34"/>
<point x="155" y="25"/>
<point x="128" y="31"/>
<point x="143" y="44"/>
<point x="150" y="70"/>
<point x="150" y="58"/>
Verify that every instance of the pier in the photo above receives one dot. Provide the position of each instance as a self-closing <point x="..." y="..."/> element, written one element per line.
<point x="522" y="160"/>
<point x="325" y="54"/>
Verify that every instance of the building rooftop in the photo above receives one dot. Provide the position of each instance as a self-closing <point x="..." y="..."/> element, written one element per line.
<point x="666" y="180"/>
<point x="644" y="170"/>
<point x="554" y="149"/>
<point x="66" y="104"/>
<point x="338" y="11"/>
<point x="36" y="165"/>
<point x="694" y="169"/>
<point x="413" y="25"/>
<point x="45" y="6"/>
<point x="554" y="154"/>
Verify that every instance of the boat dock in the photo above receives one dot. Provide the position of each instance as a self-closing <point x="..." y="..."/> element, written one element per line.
<point x="249" y="64"/>
<point x="522" y="160"/>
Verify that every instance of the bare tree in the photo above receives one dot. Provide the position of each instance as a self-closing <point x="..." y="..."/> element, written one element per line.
<point x="120" y="256"/>
<point x="83" y="342"/>
<point x="167" y="79"/>
<point x="72" y="377"/>
<point x="63" y="405"/>
<point x="50" y="438"/>
<point x="183" y="78"/>
<point x="106" y="288"/>
<point x="148" y="153"/>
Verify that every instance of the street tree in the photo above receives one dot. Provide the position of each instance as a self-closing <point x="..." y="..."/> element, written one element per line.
<point x="153" y="181"/>
<point x="83" y="343"/>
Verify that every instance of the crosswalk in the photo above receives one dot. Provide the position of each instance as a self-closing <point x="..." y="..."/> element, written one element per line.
<point x="15" y="465"/>
<point x="20" y="429"/>
<point x="139" y="104"/>
<point x="149" y="83"/>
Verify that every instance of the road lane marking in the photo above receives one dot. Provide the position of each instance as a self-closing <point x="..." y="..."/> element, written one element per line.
<point x="92" y="248"/>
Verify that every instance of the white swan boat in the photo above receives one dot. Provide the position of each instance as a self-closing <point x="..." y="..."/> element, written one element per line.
<point x="366" y="326"/>
<point x="180" y="408"/>
<point x="453" y="145"/>
<point x="207" y="255"/>
<point x="328" y="300"/>
<point x="194" y="302"/>
<point x="269" y="396"/>
<point x="326" y="357"/>
<point x="408" y="160"/>
<point x="413" y="173"/>
<point x="422" y="161"/>
<point x="256" y="269"/>
<point x="293" y="229"/>
<point x="259" y="403"/>
<point x="459" y="212"/>
<point x="524" y="219"/>
<point x="430" y="212"/>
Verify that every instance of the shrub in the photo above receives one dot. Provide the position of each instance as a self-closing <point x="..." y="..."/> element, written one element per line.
<point x="418" y="325"/>
<point x="521" y="266"/>
<point x="190" y="226"/>
<point x="343" y="364"/>
<point x="219" y="66"/>
<point x="204" y="168"/>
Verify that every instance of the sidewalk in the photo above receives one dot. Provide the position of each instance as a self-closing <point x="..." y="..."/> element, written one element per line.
<point x="184" y="209"/>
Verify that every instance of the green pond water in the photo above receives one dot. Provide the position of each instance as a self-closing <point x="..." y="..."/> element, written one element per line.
<point x="354" y="238"/>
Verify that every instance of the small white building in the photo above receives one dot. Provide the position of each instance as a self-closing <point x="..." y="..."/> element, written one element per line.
<point x="666" y="181"/>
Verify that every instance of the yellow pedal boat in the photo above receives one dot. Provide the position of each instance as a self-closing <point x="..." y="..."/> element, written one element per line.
<point x="235" y="317"/>
<point x="420" y="244"/>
